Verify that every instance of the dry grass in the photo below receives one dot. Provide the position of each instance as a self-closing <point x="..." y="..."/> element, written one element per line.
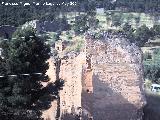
<point x="77" y="44"/>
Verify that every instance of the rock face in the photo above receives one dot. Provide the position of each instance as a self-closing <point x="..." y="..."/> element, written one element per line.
<point x="106" y="80"/>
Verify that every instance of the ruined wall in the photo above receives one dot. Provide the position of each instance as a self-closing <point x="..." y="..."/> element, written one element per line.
<point x="71" y="73"/>
<point x="117" y="80"/>
<point x="106" y="80"/>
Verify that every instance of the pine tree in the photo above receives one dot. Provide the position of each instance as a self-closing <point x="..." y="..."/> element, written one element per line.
<point x="23" y="67"/>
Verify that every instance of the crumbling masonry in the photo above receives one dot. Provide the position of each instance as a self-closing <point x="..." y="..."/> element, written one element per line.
<point x="105" y="82"/>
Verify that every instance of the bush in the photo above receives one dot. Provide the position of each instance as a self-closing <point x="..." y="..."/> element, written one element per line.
<point x="69" y="37"/>
<point x="80" y="25"/>
<point x="148" y="83"/>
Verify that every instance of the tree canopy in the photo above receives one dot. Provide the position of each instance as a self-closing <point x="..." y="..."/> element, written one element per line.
<point x="18" y="15"/>
<point x="22" y="69"/>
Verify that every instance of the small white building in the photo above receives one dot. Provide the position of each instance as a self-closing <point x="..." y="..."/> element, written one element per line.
<point x="155" y="87"/>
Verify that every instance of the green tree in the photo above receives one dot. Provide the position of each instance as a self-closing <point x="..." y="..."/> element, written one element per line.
<point x="152" y="66"/>
<point x="93" y="23"/>
<point x="129" y="31"/>
<point x="127" y="27"/>
<point x="117" y="20"/>
<point x="23" y="61"/>
<point x="80" y="25"/>
<point x="142" y="35"/>
<point x="156" y="30"/>
<point x="108" y="16"/>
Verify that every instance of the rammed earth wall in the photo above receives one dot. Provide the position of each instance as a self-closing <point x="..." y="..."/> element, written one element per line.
<point x="106" y="80"/>
<point x="117" y="79"/>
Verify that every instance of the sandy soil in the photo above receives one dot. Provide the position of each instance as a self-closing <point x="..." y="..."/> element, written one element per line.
<point x="51" y="112"/>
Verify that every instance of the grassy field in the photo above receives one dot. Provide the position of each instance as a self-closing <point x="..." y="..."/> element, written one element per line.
<point x="135" y="19"/>
<point x="77" y="44"/>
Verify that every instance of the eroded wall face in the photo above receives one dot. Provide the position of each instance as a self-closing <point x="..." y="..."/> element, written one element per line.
<point x="106" y="81"/>
<point x="70" y="96"/>
<point x="117" y="81"/>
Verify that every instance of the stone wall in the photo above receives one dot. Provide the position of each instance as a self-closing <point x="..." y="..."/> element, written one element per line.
<point x="71" y="73"/>
<point x="106" y="80"/>
<point x="117" y="80"/>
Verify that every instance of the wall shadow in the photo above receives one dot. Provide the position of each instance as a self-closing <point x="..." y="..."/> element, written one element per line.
<point x="49" y="94"/>
<point x="107" y="104"/>
<point x="152" y="109"/>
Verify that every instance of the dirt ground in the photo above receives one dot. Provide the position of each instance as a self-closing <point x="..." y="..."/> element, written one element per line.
<point x="51" y="112"/>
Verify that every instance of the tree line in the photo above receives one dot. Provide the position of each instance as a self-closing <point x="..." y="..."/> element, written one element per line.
<point x="18" y="15"/>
